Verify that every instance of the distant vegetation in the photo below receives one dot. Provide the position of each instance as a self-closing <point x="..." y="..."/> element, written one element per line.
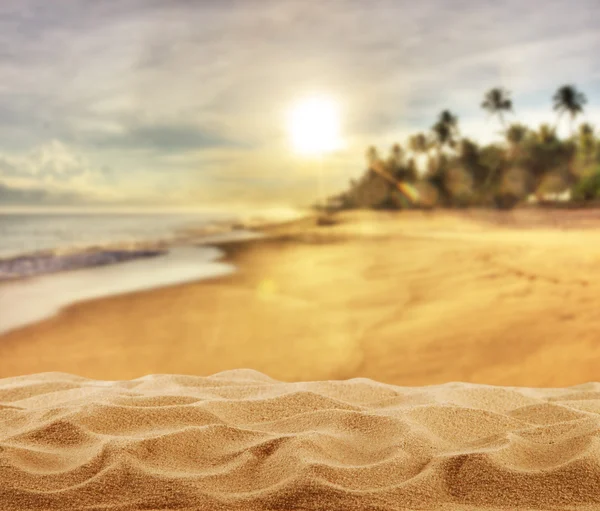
<point x="526" y="165"/>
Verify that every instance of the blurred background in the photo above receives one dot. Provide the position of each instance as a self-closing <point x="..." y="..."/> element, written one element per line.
<point x="395" y="190"/>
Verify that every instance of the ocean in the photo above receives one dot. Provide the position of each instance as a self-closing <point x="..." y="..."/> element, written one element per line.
<point x="26" y="233"/>
<point x="40" y="243"/>
<point x="49" y="261"/>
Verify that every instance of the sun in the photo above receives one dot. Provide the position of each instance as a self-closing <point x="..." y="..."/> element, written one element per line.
<point x="314" y="125"/>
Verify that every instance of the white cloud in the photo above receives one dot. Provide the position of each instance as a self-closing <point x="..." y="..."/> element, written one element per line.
<point x="150" y="88"/>
<point x="54" y="166"/>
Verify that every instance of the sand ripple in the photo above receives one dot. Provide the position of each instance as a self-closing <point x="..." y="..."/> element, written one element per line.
<point x="241" y="440"/>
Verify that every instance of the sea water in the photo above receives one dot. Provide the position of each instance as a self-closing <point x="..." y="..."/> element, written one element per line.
<point x="49" y="261"/>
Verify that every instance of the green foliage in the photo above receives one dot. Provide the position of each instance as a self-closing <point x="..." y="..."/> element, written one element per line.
<point x="469" y="152"/>
<point x="458" y="186"/>
<point x="546" y="134"/>
<point x="491" y="163"/>
<point x="544" y="153"/>
<point x="587" y="145"/>
<point x="513" y="183"/>
<point x="419" y="143"/>
<point x="496" y="102"/>
<point x="569" y="100"/>
<point x="398" y="168"/>
<point x="445" y="130"/>
<point x="461" y="173"/>
<point x="371" y="191"/>
<point x="588" y="187"/>
<point x="586" y="130"/>
<point x="516" y="133"/>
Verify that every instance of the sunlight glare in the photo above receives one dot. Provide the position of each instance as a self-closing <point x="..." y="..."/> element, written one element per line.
<point x="314" y="125"/>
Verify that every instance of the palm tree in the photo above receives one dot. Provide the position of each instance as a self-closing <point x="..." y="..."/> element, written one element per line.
<point x="396" y="154"/>
<point x="395" y="160"/>
<point x="492" y="158"/>
<point x="586" y="129"/>
<point x="546" y="134"/>
<point x="586" y="141"/>
<point x="548" y="156"/>
<point x="418" y="143"/>
<point x="515" y="135"/>
<point x="469" y="151"/>
<point x="448" y="117"/>
<point x="569" y="100"/>
<point x="446" y="129"/>
<point x="496" y="102"/>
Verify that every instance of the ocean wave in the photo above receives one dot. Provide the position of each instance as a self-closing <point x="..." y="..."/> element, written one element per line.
<point x="75" y="258"/>
<point x="34" y="299"/>
<point x="52" y="262"/>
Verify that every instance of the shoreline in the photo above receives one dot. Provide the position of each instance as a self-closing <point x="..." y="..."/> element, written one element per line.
<point x="404" y="299"/>
<point x="119" y="252"/>
<point x="212" y="250"/>
<point x="24" y="254"/>
<point x="56" y="261"/>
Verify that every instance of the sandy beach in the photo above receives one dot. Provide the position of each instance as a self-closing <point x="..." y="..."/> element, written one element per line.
<point x="440" y="361"/>
<point x="240" y="440"/>
<point x="405" y="299"/>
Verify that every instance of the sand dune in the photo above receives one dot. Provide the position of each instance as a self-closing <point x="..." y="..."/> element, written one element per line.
<point x="241" y="440"/>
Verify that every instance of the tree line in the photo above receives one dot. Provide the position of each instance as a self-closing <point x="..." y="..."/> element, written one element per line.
<point x="527" y="163"/>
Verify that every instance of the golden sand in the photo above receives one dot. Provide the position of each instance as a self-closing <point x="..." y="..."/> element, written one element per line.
<point x="405" y="299"/>
<point x="376" y="314"/>
<point x="241" y="440"/>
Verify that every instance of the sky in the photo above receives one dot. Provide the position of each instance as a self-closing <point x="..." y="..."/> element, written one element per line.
<point x="183" y="103"/>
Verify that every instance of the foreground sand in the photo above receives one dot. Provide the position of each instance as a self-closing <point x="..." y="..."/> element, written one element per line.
<point x="240" y="440"/>
<point x="406" y="299"/>
<point x="411" y="299"/>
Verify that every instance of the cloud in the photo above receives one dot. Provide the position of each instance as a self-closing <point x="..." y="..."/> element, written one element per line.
<point x="51" y="173"/>
<point x="51" y="162"/>
<point x="15" y="195"/>
<point x="165" y="138"/>
<point x="195" y="93"/>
